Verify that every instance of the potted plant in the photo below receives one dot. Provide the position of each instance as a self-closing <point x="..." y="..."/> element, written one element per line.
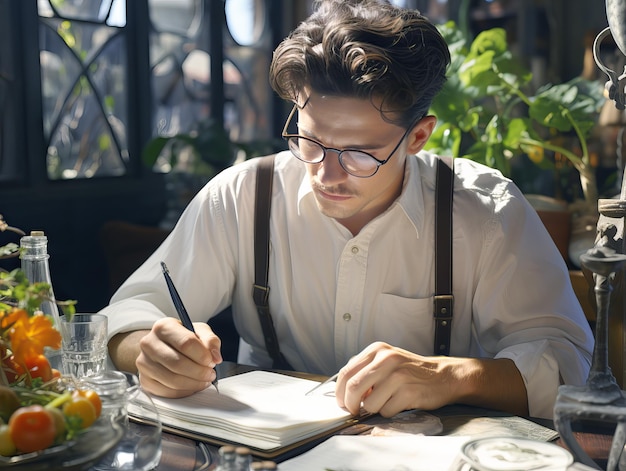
<point x="193" y="158"/>
<point x="487" y="113"/>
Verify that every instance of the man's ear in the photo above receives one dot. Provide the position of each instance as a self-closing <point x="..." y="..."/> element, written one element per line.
<point x="420" y="133"/>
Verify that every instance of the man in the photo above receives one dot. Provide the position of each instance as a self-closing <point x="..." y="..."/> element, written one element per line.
<point x="352" y="245"/>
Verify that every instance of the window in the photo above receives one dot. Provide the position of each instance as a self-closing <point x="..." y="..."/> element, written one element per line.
<point x="84" y="70"/>
<point x="92" y="107"/>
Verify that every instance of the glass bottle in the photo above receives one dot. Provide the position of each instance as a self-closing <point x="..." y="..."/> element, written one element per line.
<point x="227" y="458"/>
<point x="34" y="256"/>
<point x="243" y="458"/>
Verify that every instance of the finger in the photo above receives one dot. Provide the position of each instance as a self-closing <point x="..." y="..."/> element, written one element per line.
<point x="212" y="342"/>
<point x="381" y="398"/>
<point x="358" y="388"/>
<point x="350" y="380"/>
<point x="164" y="360"/>
<point x="354" y="365"/>
<point x="181" y="339"/>
<point x="181" y="378"/>
<point x="154" y="386"/>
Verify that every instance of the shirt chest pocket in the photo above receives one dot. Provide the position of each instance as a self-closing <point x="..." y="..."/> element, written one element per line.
<point x="405" y="322"/>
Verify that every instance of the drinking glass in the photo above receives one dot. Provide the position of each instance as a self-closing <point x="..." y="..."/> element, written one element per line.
<point x="84" y="342"/>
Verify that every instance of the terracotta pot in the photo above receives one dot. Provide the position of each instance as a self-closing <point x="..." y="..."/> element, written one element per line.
<point x="559" y="224"/>
<point x="557" y="219"/>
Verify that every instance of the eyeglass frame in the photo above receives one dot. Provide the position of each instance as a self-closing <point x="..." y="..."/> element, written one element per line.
<point x="379" y="163"/>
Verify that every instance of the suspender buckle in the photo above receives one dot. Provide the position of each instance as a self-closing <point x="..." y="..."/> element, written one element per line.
<point x="443" y="304"/>
<point x="260" y="294"/>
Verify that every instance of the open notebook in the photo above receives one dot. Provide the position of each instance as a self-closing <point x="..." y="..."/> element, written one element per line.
<point x="268" y="412"/>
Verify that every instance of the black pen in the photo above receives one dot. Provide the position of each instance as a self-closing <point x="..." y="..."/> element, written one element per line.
<point x="180" y="308"/>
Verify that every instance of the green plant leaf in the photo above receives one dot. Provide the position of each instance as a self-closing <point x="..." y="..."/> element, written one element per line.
<point x="453" y="105"/>
<point x="9" y="249"/>
<point x="488" y="112"/>
<point x="478" y="72"/>
<point x="153" y="149"/>
<point x="445" y="140"/>
<point x="471" y="120"/>
<point x="491" y="40"/>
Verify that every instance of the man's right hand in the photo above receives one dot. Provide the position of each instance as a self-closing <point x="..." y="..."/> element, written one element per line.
<point x="172" y="361"/>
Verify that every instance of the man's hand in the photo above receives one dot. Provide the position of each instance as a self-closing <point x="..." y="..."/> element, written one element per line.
<point x="175" y="362"/>
<point x="387" y="380"/>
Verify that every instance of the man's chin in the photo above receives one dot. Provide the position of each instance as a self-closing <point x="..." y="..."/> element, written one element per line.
<point x="335" y="211"/>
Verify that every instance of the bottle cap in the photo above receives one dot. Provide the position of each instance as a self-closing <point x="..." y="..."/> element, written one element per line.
<point x="227" y="451"/>
<point x="263" y="466"/>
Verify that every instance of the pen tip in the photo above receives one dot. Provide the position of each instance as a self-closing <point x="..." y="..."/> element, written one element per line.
<point x="163" y="266"/>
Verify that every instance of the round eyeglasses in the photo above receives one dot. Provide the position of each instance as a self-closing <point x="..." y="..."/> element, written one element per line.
<point x="355" y="162"/>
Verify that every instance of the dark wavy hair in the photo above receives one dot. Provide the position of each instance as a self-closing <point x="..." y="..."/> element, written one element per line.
<point x="364" y="49"/>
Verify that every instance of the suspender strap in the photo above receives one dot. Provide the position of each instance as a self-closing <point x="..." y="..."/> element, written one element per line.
<point x="444" y="299"/>
<point x="261" y="290"/>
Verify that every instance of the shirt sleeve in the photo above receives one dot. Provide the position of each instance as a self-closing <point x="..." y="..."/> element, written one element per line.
<point x="200" y="253"/>
<point x="524" y="306"/>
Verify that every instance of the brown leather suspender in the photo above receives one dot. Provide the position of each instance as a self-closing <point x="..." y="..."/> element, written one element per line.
<point x="261" y="290"/>
<point x="443" y="299"/>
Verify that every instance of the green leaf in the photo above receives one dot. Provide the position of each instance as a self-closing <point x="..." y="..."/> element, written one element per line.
<point x="471" y="120"/>
<point x="518" y="129"/>
<point x="491" y="40"/>
<point x="445" y="140"/>
<point x="9" y="249"/>
<point x="153" y="149"/>
<point x="478" y="71"/>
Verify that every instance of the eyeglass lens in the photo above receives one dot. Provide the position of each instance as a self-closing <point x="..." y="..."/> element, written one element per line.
<point x="356" y="163"/>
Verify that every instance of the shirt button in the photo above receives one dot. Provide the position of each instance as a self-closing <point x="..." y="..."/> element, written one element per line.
<point x="355" y="249"/>
<point x="347" y="317"/>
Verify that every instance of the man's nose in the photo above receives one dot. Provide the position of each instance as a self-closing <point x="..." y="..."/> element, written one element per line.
<point x="330" y="170"/>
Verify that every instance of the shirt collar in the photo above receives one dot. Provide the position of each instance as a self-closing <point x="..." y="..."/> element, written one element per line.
<point x="411" y="199"/>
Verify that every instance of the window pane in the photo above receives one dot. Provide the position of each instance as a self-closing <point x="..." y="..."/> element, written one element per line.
<point x="245" y="20"/>
<point x="182" y="17"/>
<point x="181" y="68"/>
<point x="84" y="92"/>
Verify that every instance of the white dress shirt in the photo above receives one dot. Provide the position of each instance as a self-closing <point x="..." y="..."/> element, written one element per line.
<point x="332" y="294"/>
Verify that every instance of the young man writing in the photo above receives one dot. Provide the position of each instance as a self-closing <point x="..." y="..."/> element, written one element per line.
<point x="352" y="233"/>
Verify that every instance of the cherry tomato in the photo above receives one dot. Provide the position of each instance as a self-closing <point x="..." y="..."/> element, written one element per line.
<point x="92" y="396"/>
<point x="32" y="428"/>
<point x="39" y="367"/>
<point x="82" y="409"/>
<point x="56" y="373"/>
<point x="7" y="447"/>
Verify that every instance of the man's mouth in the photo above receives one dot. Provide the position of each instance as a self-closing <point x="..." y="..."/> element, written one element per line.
<point x="332" y="196"/>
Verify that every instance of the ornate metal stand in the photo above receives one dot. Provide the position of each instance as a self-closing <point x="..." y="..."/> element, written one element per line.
<point x="616" y="16"/>
<point x="601" y="399"/>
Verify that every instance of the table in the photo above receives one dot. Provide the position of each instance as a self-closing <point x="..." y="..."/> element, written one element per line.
<point x="183" y="454"/>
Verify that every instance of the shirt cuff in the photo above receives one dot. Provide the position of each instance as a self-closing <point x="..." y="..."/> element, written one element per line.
<point x="540" y="372"/>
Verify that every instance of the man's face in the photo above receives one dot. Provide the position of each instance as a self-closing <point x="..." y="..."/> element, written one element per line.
<point x="351" y="123"/>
